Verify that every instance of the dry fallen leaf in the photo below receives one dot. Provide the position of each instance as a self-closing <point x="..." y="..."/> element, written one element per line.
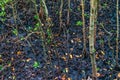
<point x="89" y="78"/>
<point x="97" y="56"/>
<point x="103" y="53"/>
<point x="71" y="56"/>
<point x="118" y="75"/>
<point x="66" y="69"/>
<point x="98" y="74"/>
<point x="71" y="49"/>
<point x="12" y="59"/>
<point x="1" y="60"/>
<point x="69" y="79"/>
<point x="13" y="69"/>
<point x="64" y="58"/>
<point x="19" y="52"/>
<point x="28" y="59"/>
<point x="63" y="77"/>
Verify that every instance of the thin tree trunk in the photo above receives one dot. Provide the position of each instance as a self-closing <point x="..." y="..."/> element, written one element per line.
<point x="43" y="5"/>
<point x="60" y="17"/>
<point x="96" y="13"/>
<point x="60" y="13"/>
<point x="117" y="38"/>
<point x="93" y="15"/>
<point x="83" y="20"/>
<point x="68" y="13"/>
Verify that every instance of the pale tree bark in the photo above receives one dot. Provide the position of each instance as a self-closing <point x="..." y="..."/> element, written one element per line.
<point x="117" y="38"/>
<point x="96" y="13"/>
<point x="93" y="16"/>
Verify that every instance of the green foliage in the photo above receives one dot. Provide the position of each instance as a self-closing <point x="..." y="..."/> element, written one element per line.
<point x="105" y="5"/>
<point x="38" y="24"/>
<point x="36" y="17"/>
<point x="22" y="38"/>
<point x="2" y="6"/>
<point x="108" y="62"/>
<point x="70" y="10"/>
<point x="101" y="41"/>
<point x="57" y="12"/>
<point x="94" y="50"/>
<point x="98" y="69"/>
<point x="29" y="28"/>
<point x="78" y="8"/>
<point x="86" y="15"/>
<point x="15" y="31"/>
<point x="36" y="64"/>
<point x="79" y="23"/>
<point x="1" y="67"/>
<point x="49" y="33"/>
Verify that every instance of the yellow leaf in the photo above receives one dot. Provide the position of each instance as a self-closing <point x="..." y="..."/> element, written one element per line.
<point x="64" y="58"/>
<point x="97" y="57"/>
<point x="12" y="58"/>
<point x="71" y="49"/>
<point x="28" y="59"/>
<point x="1" y="60"/>
<point x="118" y="75"/>
<point x="102" y="53"/>
<point x="69" y="79"/>
<point x="98" y="74"/>
<point x="19" y="52"/>
<point x="66" y="69"/>
<point x="71" y="56"/>
<point x="9" y="64"/>
<point x="13" y="69"/>
<point x="13" y="77"/>
<point x="63" y="77"/>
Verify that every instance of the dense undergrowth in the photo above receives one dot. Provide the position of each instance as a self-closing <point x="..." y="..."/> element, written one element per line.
<point x="37" y="46"/>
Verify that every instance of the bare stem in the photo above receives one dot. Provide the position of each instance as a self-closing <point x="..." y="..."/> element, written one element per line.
<point x="68" y="13"/>
<point x="93" y="16"/>
<point x="117" y="38"/>
<point x="60" y="13"/>
<point x="83" y="19"/>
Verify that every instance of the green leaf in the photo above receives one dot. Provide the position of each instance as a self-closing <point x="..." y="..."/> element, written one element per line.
<point x="78" y="8"/>
<point x="3" y="8"/>
<point x="1" y="67"/>
<point x="36" y="17"/>
<point x="101" y="41"/>
<point x="22" y="38"/>
<point x="36" y="28"/>
<point x="2" y="13"/>
<point x="37" y="24"/>
<point x="36" y="64"/>
<point x="79" y="23"/>
<point x="98" y="69"/>
<point x="3" y="19"/>
<point x="86" y="15"/>
<point x="94" y="50"/>
<point x="49" y="32"/>
<point x="15" y="31"/>
<point x="48" y="41"/>
<point x="57" y="12"/>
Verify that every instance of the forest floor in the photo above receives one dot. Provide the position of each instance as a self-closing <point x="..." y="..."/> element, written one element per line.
<point x="23" y="59"/>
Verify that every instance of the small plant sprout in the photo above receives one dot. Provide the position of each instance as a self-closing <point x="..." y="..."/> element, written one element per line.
<point x="36" y="64"/>
<point x="79" y="23"/>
